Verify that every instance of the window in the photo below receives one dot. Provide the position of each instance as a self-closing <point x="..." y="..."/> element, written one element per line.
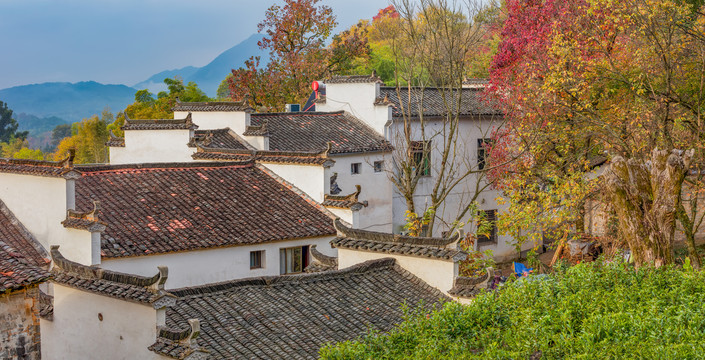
<point x="293" y="260"/>
<point x="489" y="217"/>
<point x="355" y="168"/>
<point x="378" y="166"/>
<point x="482" y="145"/>
<point x="256" y="259"/>
<point x="421" y="152"/>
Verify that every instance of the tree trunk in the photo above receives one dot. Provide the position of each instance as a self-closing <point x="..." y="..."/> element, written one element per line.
<point x="689" y="231"/>
<point x="646" y="198"/>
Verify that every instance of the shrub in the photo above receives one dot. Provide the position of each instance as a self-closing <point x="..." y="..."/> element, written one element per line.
<point x="589" y="311"/>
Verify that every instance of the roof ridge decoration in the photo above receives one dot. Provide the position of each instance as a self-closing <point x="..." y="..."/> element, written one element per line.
<point x="349" y="201"/>
<point x="321" y="262"/>
<point x="85" y="220"/>
<point x="393" y="244"/>
<point x="257" y="130"/>
<point x="130" y="287"/>
<point x="450" y="243"/>
<point x="180" y="344"/>
<point x="115" y="141"/>
<point x="467" y="287"/>
<point x="355" y="79"/>
<point x="63" y="168"/>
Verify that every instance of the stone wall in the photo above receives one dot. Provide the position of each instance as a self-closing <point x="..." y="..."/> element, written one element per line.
<point x="19" y="325"/>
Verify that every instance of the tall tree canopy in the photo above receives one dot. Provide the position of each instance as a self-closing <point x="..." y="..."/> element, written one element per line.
<point x="581" y="79"/>
<point x="295" y="35"/>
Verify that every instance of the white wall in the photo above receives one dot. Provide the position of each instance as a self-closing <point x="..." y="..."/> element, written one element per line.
<point x="213" y="120"/>
<point x="192" y="268"/>
<point x="357" y="99"/>
<point x="126" y="331"/>
<point x="153" y="146"/>
<point x="377" y="188"/>
<point x="308" y="178"/>
<point x="435" y="272"/>
<point x="39" y="203"/>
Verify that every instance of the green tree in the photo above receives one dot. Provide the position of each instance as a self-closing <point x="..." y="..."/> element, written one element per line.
<point x="8" y="125"/>
<point x="88" y="139"/>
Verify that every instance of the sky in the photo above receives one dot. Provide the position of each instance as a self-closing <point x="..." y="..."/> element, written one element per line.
<point x="127" y="41"/>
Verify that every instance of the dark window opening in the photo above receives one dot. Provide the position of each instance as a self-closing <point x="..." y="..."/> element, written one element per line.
<point x="482" y="152"/>
<point x="256" y="259"/>
<point x="421" y="152"/>
<point x="293" y="260"/>
<point x="489" y="216"/>
<point x="378" y="166"/>
<point x="355" y="168"/>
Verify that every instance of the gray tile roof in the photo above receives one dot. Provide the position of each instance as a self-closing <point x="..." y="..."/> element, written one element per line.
<point x="219" y="139"/>
<point x="291" y="317"/>
<point x="17" y="271"/>
<point x="159" y="124"/>
<point x="212" y="106"/>
<point x="139" y="289"/>
<point x="171" y="207"/>
<point x="63" y="168"/>
<point x="354" y="79"/>
<point x="312" y="131"/>
<point x="473" y="101"/>
<point x="264" y="156"/>
<point x="470" y="286"/>
<point x="440" y="248"/>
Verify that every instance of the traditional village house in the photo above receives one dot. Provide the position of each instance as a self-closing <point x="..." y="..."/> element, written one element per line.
<point x="335" y="158"/>
<point x="384" y="110"/>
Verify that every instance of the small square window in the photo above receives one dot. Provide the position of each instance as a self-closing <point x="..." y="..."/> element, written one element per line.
<point x="355" y="168"/>
<point x="482" y="145"/>
<point x="421" y="156"/>
<point x="256" y="259"/>
<point x="378" y="166"/>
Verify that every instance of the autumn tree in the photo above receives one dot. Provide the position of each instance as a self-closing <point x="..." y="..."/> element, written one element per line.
<point x="584" y="79"/>
<point x="88" y="139"/>
<point x="295" y="36"/>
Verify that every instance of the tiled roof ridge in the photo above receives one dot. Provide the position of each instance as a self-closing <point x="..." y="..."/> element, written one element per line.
<point x="179" y="344"/>
<point x="85" y="220"/>
<point x="115" y="141"/>
<point x="464" y="286"/>
<point x="157" y="124"/>
<point x="300" y="113"/>
<point x="349" y="201"/>
<point x="263" y="152"/>
<point x="153" y="283"/>
<point x="256" y="130"/>
<point x="347" y="79"/>
<point x="323" y="258"/>
<point x="18" y="224"/>
<point x="432" y="88"/>
<point x="367" y="266"/>
<point x="96" y="168"/>
<point x="298" y="191"/>
<point x="62" y="168"/>
<point x="214" y="105"/>
<point x="393" y="238"/>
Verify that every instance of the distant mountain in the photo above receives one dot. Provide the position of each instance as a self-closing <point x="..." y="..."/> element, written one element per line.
<point x="209" y="77"/>
<point x="70" y="102"/>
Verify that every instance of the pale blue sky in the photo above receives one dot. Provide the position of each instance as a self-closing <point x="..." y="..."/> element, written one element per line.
<point x="126" y="41"/>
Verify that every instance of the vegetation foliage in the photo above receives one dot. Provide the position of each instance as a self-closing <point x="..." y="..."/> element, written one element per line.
<point x="590" y="311"/>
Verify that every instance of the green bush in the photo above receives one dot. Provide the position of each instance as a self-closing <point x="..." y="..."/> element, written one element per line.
<point x="590" y="311"/>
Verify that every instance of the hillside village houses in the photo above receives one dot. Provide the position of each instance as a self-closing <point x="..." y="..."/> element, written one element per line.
<point x="192" y="243"/>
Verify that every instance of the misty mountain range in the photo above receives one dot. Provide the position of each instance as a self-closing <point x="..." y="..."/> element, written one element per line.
<point x="39" y="107"/>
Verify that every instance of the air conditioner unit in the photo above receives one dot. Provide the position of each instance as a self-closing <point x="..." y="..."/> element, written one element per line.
<point x="293" y="107"/>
